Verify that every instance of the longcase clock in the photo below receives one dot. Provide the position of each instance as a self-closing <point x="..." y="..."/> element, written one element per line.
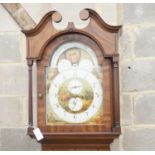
<point x="77" y="83"/>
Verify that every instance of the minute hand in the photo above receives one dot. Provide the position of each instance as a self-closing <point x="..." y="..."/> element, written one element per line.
<point x="75" y="86"/>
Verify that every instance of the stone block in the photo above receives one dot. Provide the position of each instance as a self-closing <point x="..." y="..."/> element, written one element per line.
<point x="137" y="13"/>
<point x="138" y="75"/>
<point x="0" y="139"/>
<point x="145" y="42"/>
<point x="115" y="145"/>
<point x="10" y="49"/>
<point x="11" y="112"/>
<point x="15" y="139"/>
<point x="24" y="107"/>
<point x="23" y="47"/>
<point x="12" y="7"/>
<point x="139" y="139"/>
<point x="13" y="79"/>
<point x="126" y="110"/>
<point x="109" y="17"/>
<point x="126" y="44"/>
<point x="6" y="22"/>
<point x="37" y="10"/>
<point x="144" y="109"/>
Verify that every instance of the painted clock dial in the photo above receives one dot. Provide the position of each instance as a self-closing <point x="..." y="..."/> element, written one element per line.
<point x="74" y="86"/>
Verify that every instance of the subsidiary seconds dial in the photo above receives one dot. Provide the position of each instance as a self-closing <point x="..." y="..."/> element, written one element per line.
<point x="75" y="104"/>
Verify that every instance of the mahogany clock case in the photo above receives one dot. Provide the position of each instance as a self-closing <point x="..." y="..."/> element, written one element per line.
<point x="102" y="39"/>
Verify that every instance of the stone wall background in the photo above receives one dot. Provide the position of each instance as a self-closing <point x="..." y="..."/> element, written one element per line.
<point x="137" y="76"/>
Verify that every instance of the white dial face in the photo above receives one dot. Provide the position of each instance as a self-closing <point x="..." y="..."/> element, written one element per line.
<point x="75" y="104"/>
<point x="75" y="86"/>
<point x="76" y="112"/>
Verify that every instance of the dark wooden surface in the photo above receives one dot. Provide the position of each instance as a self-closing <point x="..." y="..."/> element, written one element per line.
<point x="103" y="39"/>
<point x="76" y="147"/>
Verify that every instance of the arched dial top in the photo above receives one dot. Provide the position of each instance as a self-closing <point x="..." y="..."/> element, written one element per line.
<point x="74" y="86"/>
